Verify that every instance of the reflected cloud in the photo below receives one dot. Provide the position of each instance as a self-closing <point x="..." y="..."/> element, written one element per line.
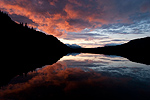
<point x="72" y="54"/>
<point x="59" y="80"/>
<point x="73" y="78"/>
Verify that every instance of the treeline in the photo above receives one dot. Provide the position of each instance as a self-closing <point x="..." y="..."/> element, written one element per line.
<point x="4" y="18"/>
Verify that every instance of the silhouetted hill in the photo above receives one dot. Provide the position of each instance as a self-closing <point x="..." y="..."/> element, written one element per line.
<point x="23" y="49"/>
<point x="137" y="50"/>
<point x="138" y="43"/>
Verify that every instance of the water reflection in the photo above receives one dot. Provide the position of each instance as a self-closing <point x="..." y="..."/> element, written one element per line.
<point x="109" y="64"/>
<point x="84" y="75"/>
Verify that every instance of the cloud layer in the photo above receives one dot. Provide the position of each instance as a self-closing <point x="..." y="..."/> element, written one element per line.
<point x="58" y="17"/>
<point x="87" y="21"/>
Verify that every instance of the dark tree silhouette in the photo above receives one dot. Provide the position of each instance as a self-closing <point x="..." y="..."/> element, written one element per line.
<point x="26" y="25"/>
<point x="21" y="23"/>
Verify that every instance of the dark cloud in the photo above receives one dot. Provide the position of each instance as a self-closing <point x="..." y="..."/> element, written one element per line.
<point x="118" y="40"/>
<point x="112" y="44"/>
<point x="24" y="19"/>
<point x="60" y="17"/>
<point x="145" y="6"/>
<point x="85" y="36"/>
<point x="79" y="23"/>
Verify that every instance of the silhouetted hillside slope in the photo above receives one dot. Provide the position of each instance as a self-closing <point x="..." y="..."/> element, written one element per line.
<point x="138" y="43"/>
<point x="137" y="50"/>
<point x="23" y="49"/>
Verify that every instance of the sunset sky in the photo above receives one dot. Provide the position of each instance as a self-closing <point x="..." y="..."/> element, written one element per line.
<point x="88" y="23"/>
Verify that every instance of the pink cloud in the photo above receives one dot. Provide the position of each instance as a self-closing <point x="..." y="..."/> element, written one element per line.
<point x="59" y="17"/>
<point x="51" y="17"/>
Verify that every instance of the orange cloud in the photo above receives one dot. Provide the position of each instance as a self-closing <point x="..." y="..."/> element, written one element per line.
<point x="58" y="17"/>
<point x="51" y="17"/>
<point x="44" y="24"/>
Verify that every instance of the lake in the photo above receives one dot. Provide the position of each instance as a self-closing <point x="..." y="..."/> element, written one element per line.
<point x="82" y="75"/>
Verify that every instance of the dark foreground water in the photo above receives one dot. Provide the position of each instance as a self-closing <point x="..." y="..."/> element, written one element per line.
<point x="82" y="76"/>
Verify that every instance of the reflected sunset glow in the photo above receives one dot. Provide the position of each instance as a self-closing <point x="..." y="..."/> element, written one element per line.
<point x="82" y="75"/>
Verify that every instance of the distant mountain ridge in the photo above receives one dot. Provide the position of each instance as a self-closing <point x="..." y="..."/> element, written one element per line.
<point x="73" y="46"/>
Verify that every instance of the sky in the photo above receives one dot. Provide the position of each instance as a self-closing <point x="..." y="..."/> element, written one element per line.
<point x="88" y="23"/>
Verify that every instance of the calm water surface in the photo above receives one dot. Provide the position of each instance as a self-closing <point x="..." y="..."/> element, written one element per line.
<point x="110" y="64"/>
<point x="83" y="75"/>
